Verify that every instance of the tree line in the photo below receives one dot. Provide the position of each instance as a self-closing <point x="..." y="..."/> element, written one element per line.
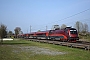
<point x="4" y="33"/>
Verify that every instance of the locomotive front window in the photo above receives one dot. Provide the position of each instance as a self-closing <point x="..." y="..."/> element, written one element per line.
<point x="73" y="31"/>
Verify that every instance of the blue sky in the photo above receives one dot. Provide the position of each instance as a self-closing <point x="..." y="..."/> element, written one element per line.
<point x="42" y="13"/>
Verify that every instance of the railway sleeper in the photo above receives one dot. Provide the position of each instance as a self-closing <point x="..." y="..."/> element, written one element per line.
<point x="56" y="43"/>
<point x="87" y="47"/>
<point x="50" y="42"/>
<point x="70" y="45"/>
<point x="82" y="46"/>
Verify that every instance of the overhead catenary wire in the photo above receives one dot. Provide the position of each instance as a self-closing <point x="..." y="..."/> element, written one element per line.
<point x="74" y="14"/>
<point x="70" y="16"/>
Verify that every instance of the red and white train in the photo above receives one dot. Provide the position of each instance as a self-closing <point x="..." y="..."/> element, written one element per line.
<point x="67" y="34"/>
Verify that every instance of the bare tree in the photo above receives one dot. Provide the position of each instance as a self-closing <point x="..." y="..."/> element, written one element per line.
<point x="85" y="28"/>
<point x="17" y="30"/>
<point x="63" y="26"/>
<point x="10" y="33"/>
<point x="21" y="32"/>
<point x="79" y="26"/>
<point x="3" y="31"/>
<point x="38" y="30"/>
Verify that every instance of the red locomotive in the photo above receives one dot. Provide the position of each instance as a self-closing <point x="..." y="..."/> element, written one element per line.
<point x="66" y="34"/>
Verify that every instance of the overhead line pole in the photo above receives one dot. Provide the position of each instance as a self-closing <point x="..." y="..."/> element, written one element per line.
<point x="30" y="28"/>
<point x="46" y="27"/>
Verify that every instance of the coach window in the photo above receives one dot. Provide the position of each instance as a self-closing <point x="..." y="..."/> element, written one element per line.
<point x="51" y="32"/>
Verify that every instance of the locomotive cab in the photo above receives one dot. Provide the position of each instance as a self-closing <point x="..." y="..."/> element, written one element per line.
<point x="73" y="34"/>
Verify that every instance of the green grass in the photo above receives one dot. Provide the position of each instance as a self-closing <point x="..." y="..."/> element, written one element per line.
<point x="7" y="48"/>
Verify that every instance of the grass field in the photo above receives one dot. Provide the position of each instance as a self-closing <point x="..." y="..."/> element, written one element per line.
<point x="28" y="50"/>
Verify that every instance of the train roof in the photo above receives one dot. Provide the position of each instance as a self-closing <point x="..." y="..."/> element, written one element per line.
<point x="70" y="28"/>
<point x="42" y="32"/>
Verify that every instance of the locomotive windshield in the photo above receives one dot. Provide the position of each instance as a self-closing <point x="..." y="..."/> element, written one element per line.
<point x="73" y="31"/>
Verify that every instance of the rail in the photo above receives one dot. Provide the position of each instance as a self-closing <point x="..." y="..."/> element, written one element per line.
<point x="68" y="44"/>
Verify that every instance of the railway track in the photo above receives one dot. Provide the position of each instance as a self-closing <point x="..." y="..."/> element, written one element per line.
<point x="78" y="44"/>
<point x="84" y="42"/>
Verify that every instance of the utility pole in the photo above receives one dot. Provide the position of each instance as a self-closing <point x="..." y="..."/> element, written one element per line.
<point x="27" y="30"/>
<point x="46" y="27"/>
<point x="30" y="28"/>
